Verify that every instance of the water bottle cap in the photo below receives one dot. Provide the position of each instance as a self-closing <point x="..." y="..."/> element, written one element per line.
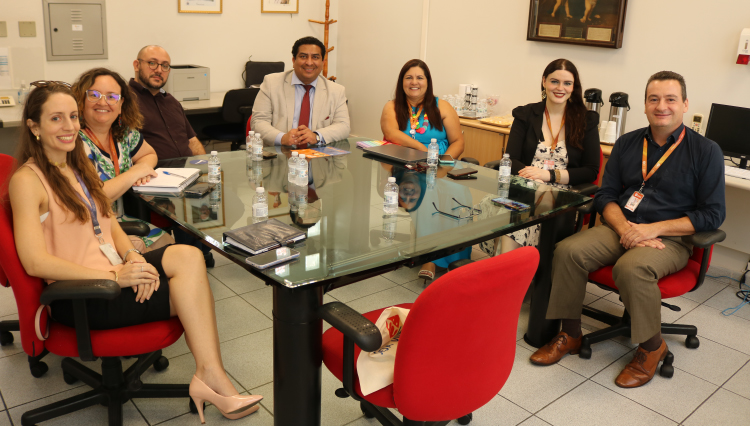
<point x="302" y="156"/>
<point x="214" y="152"/>
<point x="506" y="155"/>
<point x="392" y="179"/>
<point x="250" y="133"/>
<point x="433" y="140"/>
<point x="295" y="154"/>
<point x="260" y="190"/>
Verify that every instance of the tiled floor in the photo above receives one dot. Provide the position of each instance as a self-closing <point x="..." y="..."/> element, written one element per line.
<point x="711" y="385"/>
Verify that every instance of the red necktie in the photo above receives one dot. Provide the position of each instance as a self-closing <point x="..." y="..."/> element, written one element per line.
<point x="304" y="110"/>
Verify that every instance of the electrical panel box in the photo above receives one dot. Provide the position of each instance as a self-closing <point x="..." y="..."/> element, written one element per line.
<point x="75" y="29"/>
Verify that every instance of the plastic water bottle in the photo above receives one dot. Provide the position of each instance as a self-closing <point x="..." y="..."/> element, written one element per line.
<point x="214" y="168"/>
<point x="432" y="153"/>
<point x="249" y="142"/>
<point x="390" y="193"/>
<point x="292" y="173"/>
<point x="258" y="148"/>
<point x="503" y="175"/>
<point x="23" y="92"/>
<point x="260" y="205"/>
<point x="302" y="171"/>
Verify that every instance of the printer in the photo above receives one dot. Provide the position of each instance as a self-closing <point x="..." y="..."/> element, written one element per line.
<point x="189" y="82"/>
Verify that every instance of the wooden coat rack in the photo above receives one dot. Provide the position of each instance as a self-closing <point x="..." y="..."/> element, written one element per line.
<point x="327" y="24"/>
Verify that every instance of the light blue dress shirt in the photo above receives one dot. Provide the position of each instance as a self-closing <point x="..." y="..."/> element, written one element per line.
<point x="299" y="93"/>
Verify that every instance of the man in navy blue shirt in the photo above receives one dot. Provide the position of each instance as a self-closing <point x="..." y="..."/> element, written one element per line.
<point x="661" y="182"/>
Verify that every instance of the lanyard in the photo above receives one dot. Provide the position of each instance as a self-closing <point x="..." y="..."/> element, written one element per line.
<point x="661" y="160"/>
<point x="92" y="209"/>
<point x="549" y="125"/>
<point x="112" y="151"/>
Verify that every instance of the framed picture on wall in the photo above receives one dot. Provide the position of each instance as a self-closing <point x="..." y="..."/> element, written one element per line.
<point x="597" y="23"/>
<point x="279" y="6"/>
<point x="199" y="6"/>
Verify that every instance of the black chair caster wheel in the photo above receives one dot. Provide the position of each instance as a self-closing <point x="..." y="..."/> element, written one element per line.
<point x="342" y="393"/>
<point x="6" y="338"/>
<point x="193" y="407"/>
<point x="585" y="352"/>
<point x="465" y="420"/>
<point x="161" y="364"/>
<point x="365" y="410"/>
<point x="666" y="371"/>
<point x="39" y="369"/>
<point x="692" y="342"/>
<point x="69" y="378"/>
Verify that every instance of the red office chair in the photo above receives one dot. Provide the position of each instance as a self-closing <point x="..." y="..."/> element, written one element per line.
<point x="114" y="386"/>
<point x="456" y="348"/>
<point x="6" y="167"/>
<point x="686" y="280"/>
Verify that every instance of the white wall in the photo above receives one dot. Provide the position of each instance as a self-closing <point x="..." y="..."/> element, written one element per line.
<point x="377" y="38"/>
<point x="484" y="42"/>
<point x="222" y="42"/>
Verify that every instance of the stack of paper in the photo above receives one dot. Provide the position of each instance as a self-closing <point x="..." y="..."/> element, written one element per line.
<point x="169" y="180"/>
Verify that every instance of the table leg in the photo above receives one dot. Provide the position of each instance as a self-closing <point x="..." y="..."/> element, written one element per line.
<point x="297" y="355"/>
<point x="540" y="330"/>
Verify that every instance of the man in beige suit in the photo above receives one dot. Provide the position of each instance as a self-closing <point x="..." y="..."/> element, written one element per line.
<point x="299" y="107"/>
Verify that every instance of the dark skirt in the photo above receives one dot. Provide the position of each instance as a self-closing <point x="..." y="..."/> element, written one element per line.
<point x="123" y="311"/>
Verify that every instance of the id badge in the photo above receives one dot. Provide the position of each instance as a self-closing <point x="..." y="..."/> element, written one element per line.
<point x="549" y="164"/>
<point x="111" y="254"/>
<point x="634" y="200"/>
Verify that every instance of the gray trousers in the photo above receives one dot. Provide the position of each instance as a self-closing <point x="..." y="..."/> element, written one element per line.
<point x="636" y="273"/>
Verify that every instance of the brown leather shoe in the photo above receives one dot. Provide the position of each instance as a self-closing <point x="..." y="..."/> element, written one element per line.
<point x="642" y="368"/>
<point x="556" y="349"/>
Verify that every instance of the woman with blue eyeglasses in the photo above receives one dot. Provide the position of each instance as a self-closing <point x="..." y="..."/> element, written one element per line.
<point x="110" y="120"/>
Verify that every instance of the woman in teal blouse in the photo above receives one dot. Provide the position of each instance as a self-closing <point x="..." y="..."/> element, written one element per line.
<point x="413" y="118"/>
<point x="415" y="115"/>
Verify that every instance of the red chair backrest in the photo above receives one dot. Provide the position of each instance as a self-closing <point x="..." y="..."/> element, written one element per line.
<point x="26" y="289"/>
<point x="6" y="167"/>
<point x="459" y="341"/>
<point x="247" y="126"/>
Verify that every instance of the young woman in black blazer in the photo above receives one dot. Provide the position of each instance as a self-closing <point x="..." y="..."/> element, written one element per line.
<point x="555" y="141"/>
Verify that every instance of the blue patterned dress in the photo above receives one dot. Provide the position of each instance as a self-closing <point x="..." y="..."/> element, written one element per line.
<point x="126" y="149"/>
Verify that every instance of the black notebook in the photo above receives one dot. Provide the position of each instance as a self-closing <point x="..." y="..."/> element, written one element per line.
<point x="263" y="236"/>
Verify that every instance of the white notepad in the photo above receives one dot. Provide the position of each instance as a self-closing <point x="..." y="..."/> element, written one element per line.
<point x="169" y="180"/>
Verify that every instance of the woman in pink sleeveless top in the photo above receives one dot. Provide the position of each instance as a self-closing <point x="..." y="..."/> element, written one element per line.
<point x="57" y="201"/>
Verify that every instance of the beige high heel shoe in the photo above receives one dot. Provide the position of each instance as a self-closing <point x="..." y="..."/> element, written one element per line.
<point x="232" y="407"/>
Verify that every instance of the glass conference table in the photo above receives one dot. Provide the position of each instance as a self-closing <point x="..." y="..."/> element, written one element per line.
<point x="349" y="239"/>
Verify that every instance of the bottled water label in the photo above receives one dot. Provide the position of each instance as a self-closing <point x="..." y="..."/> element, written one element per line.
<point x="504" y="171"/>
<point x="391" y="198"/>
<point x="432" y="155"/>
<point x="214" y="169"/>
<point x="302" y="176"/>
<point x="260" y="210"/>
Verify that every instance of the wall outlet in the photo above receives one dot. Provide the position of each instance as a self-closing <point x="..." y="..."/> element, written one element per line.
<point x="3" y="29"/>
<point x="27" y="28"/>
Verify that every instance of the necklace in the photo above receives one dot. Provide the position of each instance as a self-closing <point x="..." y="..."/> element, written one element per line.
<point x="61" y="165"/>
<point x="112" y="150"/>
<point x="414" y="121"/>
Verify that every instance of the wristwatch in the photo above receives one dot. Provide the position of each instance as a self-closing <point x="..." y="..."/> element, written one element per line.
<point x="317" y="137"/>
<point x="552" y="176"/>
<point x="128" y="252"/>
